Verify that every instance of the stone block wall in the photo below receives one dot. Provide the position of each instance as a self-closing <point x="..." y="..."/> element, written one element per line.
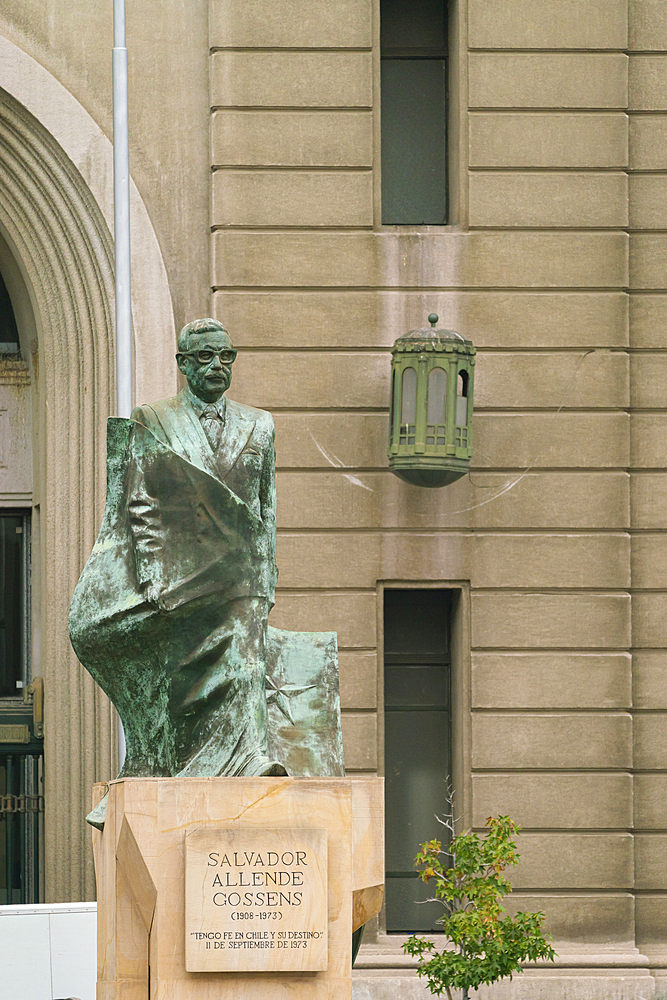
<point x="647" y="104"/>
<point x="535" y="271"/>
<point x="553" y="265"/>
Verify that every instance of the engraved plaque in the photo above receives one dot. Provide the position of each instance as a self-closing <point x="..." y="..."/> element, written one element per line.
<point x="256" y="901"/>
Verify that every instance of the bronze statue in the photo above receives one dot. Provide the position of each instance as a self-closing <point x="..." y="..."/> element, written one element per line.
<point x="170" y="615"/>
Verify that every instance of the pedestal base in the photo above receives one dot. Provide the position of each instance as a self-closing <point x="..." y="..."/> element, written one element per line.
<point x="140" y="865"/>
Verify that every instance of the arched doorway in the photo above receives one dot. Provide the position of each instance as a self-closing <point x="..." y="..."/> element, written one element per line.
<point x="59" y="249"/>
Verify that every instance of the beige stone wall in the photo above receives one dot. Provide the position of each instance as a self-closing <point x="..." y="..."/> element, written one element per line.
<point x="548" y="142"/>
<point x="648" y="279"/>
<point x="560" y="521"/>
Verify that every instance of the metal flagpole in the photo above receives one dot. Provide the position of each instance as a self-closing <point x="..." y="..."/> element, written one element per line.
<point x="121" y="192"/>
<point x="121" y="200"/>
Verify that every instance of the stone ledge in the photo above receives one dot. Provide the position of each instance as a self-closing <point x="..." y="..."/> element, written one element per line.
<point x="375" y="957"/>
<point x="631" y="986"/>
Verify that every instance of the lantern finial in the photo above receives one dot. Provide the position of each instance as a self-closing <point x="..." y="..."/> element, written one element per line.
<point x="433" y="319"/>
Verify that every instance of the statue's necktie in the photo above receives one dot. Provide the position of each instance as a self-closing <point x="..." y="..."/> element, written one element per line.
<point x="211" y="421"/>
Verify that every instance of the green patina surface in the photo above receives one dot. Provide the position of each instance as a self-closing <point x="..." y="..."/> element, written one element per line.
<point x="304" y="702"/>
<point x="138" y="652"/>
<point x="170" y="613"/>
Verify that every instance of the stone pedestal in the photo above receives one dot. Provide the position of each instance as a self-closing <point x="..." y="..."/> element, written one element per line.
<point x="271" y="848"/>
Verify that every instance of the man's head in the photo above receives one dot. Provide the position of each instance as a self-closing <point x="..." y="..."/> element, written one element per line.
<point x="205" y="356"/>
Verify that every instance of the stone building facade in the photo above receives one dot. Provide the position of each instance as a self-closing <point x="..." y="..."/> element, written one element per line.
<point x="257" y="197"/>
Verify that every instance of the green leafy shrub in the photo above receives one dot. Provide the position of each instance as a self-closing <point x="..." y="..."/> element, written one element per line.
<point x="488" y="943"/>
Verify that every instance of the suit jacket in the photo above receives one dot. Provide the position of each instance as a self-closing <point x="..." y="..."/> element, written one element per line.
<point x="182" y="522"/>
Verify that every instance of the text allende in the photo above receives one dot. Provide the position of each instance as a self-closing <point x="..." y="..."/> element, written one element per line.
<point x="251" y="860"/>
<point x="252" y="879"/>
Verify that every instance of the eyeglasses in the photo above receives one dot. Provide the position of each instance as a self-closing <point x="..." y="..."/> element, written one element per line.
<point x="206" y="357"/>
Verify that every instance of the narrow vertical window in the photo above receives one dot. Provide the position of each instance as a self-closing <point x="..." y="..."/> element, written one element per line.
<point x="413" y="42"/>
<point x="12" y="604"/>
<point x="409" y="402"/>
<point x="21" y="772"/>
<point x="408" y="406"/>
<point x="462" y="399"/>
<point x="417" y="745"/>
<point x="437" y="400"/>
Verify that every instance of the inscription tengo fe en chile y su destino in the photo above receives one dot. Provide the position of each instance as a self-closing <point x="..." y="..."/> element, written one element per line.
<point x="256" y="901"/>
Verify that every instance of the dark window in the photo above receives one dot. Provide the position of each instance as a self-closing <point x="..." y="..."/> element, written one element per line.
<point x="21" y="814"/>
<point x="13" y="559"/>
<point x="21" y="771"/>
<point x="417" y="745"/>
<point x="413" y="43"/>
<point x="9" y="335"/>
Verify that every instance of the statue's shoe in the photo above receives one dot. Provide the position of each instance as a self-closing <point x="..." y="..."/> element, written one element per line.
<point x="97" y="816"/>
<point x="275" y="770"/>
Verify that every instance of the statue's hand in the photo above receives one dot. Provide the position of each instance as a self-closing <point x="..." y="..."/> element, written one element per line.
<point x="151" y="592"/>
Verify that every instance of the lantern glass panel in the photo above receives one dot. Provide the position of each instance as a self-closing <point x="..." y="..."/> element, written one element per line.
<point x="437" y="391"/>
<point x="392" y="403"/>
<point x="409" y="396"/>
<point x="462" y="400"/>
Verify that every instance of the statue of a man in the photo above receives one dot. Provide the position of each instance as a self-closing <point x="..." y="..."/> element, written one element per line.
<point x="170" y="614"/>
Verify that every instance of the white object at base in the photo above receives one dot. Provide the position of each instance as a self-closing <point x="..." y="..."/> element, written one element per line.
<point x="49" y="951"/>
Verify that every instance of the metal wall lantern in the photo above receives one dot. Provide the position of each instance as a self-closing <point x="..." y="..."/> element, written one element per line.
<point x="430" y="415"/>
